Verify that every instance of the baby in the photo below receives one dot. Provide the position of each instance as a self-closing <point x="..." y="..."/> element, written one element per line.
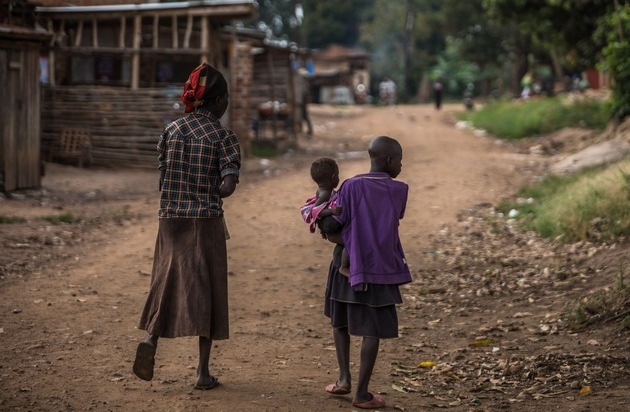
<point x="325" y="172"/>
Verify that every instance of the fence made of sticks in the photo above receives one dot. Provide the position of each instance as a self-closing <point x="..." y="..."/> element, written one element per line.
<point x="124" y="124"/>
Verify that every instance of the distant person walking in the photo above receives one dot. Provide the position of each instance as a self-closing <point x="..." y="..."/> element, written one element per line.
<point x="199" y="160"/>
<point x="387" y="92"/>
<point x="437" y="93"/>
<point x="306" y="100"/>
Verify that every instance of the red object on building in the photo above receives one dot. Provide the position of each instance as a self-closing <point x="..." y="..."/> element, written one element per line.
<point x="592" y="76"/>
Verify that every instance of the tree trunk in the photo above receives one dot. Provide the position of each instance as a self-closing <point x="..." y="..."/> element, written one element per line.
<point x="409" y="22"/>
<point x="557" y="70"/>
<point x="521" y="62"/>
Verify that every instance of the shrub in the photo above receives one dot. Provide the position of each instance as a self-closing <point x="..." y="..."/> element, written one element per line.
<point x="11" y="219"/>
<point x="62" y="218"/>
<point x="593" y="204"/>
<point x="515" y="120"/>
<point x="616" y="57"/>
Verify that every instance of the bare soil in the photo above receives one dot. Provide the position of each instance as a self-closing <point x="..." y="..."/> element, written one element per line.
<point x="483" y="326"/>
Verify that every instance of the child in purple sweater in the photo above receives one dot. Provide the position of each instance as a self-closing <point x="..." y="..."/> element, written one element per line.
<point x="364" y="304"/>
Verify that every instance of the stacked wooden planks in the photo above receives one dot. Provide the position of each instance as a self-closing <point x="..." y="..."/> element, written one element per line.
<point x="272" y="82"/>
<point x="124" y="124"/>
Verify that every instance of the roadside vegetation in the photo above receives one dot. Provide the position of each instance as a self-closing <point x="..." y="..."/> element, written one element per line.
<point x="610" y="305"/>
<point x="592" y="205"/>
<point x="62" y="218"/>
<point x="4" y="219"/>
<point x="516" y="120"/>
<point x="589" y="205"/>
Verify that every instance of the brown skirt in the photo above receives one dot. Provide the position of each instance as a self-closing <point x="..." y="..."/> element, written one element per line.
<point x="189" y="291"/>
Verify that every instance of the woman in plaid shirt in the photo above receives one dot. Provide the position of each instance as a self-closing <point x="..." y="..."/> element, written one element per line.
<point x="199" y="163"/>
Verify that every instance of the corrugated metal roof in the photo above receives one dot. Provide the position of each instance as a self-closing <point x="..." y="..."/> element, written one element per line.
<point x="23" y="33"/>
<point x="143" y="6"/>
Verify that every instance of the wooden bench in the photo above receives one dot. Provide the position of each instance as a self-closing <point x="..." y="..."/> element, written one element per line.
<point x="74" y="145"/>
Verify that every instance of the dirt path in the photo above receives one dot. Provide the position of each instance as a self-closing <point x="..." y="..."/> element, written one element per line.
<point x="68" y="323"/>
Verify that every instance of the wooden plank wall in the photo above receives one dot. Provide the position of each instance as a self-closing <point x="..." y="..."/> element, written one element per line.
<point x="19" y="114"/>
<point x="125" y="124"/>
<point x="6" y="126"/>
<point x="263" y="77"/>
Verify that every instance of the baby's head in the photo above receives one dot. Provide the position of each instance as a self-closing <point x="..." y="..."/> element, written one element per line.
<point x="325" y="172"/>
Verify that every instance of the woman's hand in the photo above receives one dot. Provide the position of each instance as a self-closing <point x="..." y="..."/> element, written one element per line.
<point x="228" y="186"/>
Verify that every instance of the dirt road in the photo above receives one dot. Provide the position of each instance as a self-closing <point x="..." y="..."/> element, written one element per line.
<point x="71" y="294"/>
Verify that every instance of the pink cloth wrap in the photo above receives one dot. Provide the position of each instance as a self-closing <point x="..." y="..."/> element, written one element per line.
<point x="310" y="212"/>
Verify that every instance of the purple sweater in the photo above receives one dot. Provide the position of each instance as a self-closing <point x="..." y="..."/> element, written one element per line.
<point x="371" y="206"/>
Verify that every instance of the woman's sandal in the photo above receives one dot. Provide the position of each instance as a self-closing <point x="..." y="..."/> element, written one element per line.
<point x="145" y="360"/>
<point x="336" y="389"/>
<point x="214" y="382"/>
<point x="375" y="403"/>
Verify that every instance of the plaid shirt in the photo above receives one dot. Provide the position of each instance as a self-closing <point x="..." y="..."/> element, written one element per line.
<point x="197" y="152"/>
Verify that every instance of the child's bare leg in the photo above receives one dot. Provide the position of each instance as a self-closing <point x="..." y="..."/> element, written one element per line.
<point x="369" y="352"/>
<point x="205" y="381"/>
<point x="345" y="263"/>
<point x="342" y="347"/>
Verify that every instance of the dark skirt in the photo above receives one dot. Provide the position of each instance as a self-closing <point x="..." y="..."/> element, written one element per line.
<point x="371" y="313"/>
<point x="189" y="291"/>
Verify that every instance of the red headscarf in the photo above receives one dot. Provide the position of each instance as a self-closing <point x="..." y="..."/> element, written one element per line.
<point x="205" y="82"/>
<point x="195" y="88"/>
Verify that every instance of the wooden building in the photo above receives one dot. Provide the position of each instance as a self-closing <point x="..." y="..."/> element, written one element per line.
<point x="118" y="71"/>
<point x="274" y="104"/>
<point x="20" y="164"/>
<point x="340" y="68"/>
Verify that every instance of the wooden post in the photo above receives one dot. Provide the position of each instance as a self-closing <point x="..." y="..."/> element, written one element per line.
<point x="619" y="28"/>
<point x="175" y="33"/>
<point x="135" y="58"/>
<point x="121" y="33"/>
<point x="292" y="95"/>
<point x="156" y="33"/>
<point x="274" y="115"/>
<point x="214" y="47"/>
<point x="51" y="55"/>
<point x="79" y="34"/>
<point x="204" y="40"/>
<point x="94" y="33"/>
<point x="51" y="68"/>
<point x="189" y="24"/>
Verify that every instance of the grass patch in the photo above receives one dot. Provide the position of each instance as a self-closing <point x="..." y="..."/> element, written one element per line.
<point x="265" y="149"/>
<point x="119" y="217"/>
<point x="62" y="218"/>
<point x="590" y="205"/>
<point x="610" y="305"/>
<point x="516" y="120"/>
<point x="11" y="219"/>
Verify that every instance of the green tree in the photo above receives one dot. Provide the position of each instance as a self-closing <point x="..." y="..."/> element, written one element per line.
<point x="333" y="21"/>
<point x="383" y="36"/>
<point x="563" y="28"/>
<point x="405" y="38"/>
<point x="480" y="41"/>
<point x="278" y="18"/>
<point x="614" y="29"/>
<point x="455" y="72"/>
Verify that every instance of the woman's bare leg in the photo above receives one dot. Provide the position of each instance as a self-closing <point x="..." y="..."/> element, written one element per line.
<point x="205" y="381"/>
